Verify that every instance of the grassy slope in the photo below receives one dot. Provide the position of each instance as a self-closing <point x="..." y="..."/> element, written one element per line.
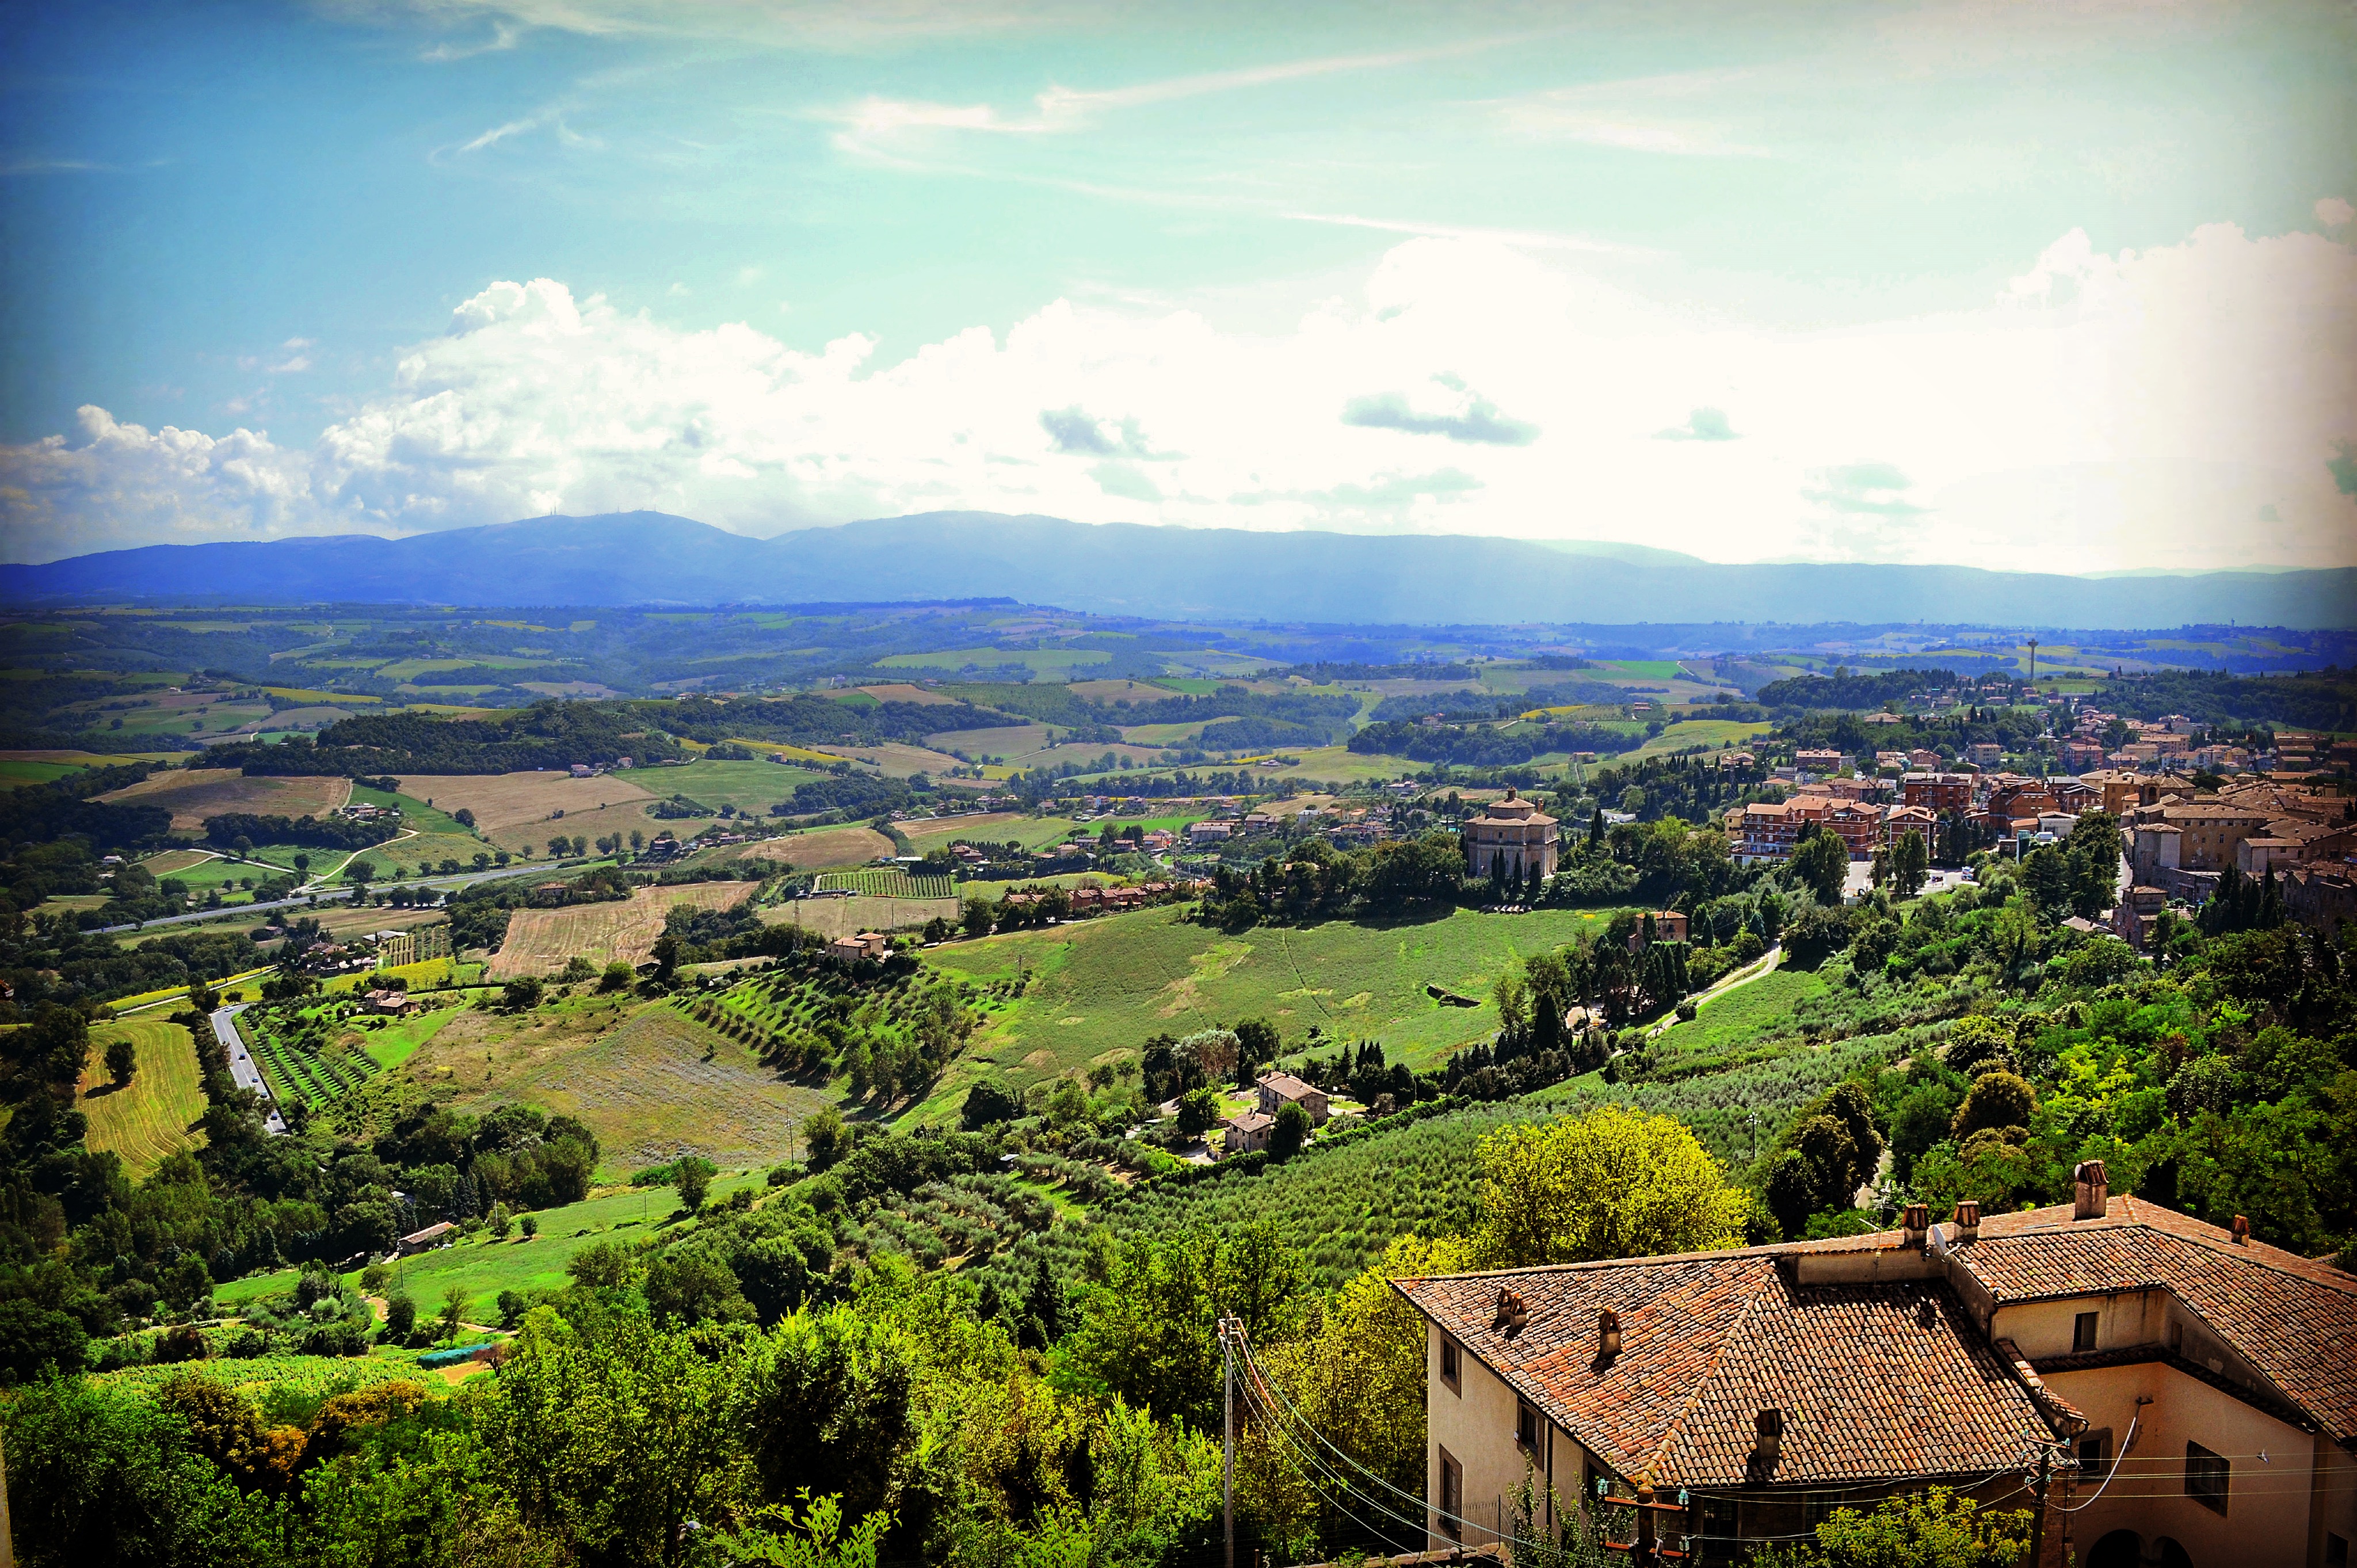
<point x="1750" y="1012"/>
<point x="1342" y="1207"/>
<point x="649" y="1081"/>
<point x="1099" y="988"/>
<point x="750" y="787"/>
<point x="154" y="1114"/>
<point x="483" y="1267"/>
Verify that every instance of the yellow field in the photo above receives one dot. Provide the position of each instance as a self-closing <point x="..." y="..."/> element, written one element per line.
<point x="508" y="800"/>
<point x="538" y="942"/>
<point x="158" y="1111"/>
<point x="193" y="794"/>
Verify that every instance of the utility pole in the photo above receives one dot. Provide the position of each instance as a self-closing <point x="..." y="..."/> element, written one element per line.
<point x="2038" y="1527"/>
<point x="1228" y="1326"/>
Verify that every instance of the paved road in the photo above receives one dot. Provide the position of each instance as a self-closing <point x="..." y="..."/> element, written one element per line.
<point x="447" y="883"/>
<point x="242" y="1067"/>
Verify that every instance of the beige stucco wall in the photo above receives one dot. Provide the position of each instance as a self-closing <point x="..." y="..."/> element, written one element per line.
<point x="2268" y="1502"/>
<point x="1475" y="1423"/>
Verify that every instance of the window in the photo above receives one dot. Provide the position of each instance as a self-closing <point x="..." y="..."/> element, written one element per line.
<point x="1451" y="1372"/>
<point x="2094" y="1451"/>
<point x="1527" y="1427"/>
<point x="2082" y="1332"/>
<point x="2206" y="1477"/>
<point x="1452" y="1496"/>
<point x="2336" y="1550"/>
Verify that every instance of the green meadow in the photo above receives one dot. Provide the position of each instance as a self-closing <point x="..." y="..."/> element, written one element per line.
<point x="1098" y="989"/>
<point x="752" y="788"/>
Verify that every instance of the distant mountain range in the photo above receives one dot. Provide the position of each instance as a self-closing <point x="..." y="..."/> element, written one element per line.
<point x="649" y="558"/>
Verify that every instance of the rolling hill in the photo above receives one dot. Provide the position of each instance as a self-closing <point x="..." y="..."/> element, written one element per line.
<point x="647" y="558"/>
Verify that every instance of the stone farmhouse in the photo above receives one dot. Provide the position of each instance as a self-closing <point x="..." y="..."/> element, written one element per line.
<point x="1279" y="1089"/>
<point x="2156" y="1390"/>
<point x="1514" y="830"/>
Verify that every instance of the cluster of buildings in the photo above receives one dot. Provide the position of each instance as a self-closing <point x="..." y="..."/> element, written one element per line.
<point x="2154" y="1390"/>
<point x="1249" y="1131"/>
<point x="2183" y="839"/>
<point x="1083" y="902"/>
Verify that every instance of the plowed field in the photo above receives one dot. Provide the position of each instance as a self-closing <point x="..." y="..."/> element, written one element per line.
<point x="193" y="794"/>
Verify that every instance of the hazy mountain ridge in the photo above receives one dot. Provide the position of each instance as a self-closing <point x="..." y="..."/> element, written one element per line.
<point x="635" y="558"/>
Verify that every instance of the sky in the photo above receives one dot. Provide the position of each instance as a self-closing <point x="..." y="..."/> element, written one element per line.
<point x="2043" y="286"/>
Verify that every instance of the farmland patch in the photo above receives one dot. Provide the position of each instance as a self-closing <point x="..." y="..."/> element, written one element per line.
<point x="193" y="794"/>
<point x="153" y="1115"/>
<point x="510" y="800"/>
<point x="895" y="760"/>
<point x="827" y="847"/>
<point x="833" y="917"/>
<point x="1131" y="976"/>
<point x="538" y="942"/>
<point x="658" y="1086"/>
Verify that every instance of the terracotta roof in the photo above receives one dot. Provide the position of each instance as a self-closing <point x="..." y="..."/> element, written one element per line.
<point x="1874" y="1380"/>
<point x="1285" y="1086"/>
<point x="2294" y="1318"/>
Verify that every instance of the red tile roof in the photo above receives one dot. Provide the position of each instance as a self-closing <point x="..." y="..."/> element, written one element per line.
<point x="2294" y="1318"/>
<point x="1874" y="1380"/>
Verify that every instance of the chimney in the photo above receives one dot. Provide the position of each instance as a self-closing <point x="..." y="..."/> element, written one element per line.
<point x="2090" y="1194"/>
<point x="1915" y="1225"/>
<point x="1968" y="1219"/>
<point x="1608" y="1335"/>
<point x="1769" y="1436"/>
<point x="2242" y="1231"/>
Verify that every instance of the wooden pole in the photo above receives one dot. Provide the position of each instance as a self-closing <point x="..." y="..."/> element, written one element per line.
<point x="7" y="1535"/>
<point x="1227" y="1434"/>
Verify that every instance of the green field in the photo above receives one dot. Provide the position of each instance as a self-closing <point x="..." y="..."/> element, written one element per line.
<point x="1641" y="669"/>
<point x="392" y="1045"/>
<point x="153" y="1115"/>
<point x="1099" y="988"/>
<point x="1746" y="1014"/>
<point x="15" y="774"/>
<point x="1716" y="734"/>
<point x="483" y="1267"/>
<point x="752" y="788"/>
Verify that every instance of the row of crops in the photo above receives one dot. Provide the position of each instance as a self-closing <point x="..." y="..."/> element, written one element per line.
<point x="301" y="1070"/>
<point x="1342" y="1208"/>
<point x="886" y="883"/>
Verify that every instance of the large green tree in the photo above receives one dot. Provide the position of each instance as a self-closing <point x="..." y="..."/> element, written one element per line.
<point x="1611" y="1184"/>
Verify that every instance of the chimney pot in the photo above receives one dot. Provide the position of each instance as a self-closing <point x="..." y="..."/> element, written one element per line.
<point x="1968" y="1219"/>
<point x="1608" y="1334"/>
<point x="1916" y="1223"/>
<point x="2090" y="1191"/>
<point x="2241" y="1231"/>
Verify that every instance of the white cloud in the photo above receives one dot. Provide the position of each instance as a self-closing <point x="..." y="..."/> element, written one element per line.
<point x="2334" y="211"/>
<point x="2106" y="410"/>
